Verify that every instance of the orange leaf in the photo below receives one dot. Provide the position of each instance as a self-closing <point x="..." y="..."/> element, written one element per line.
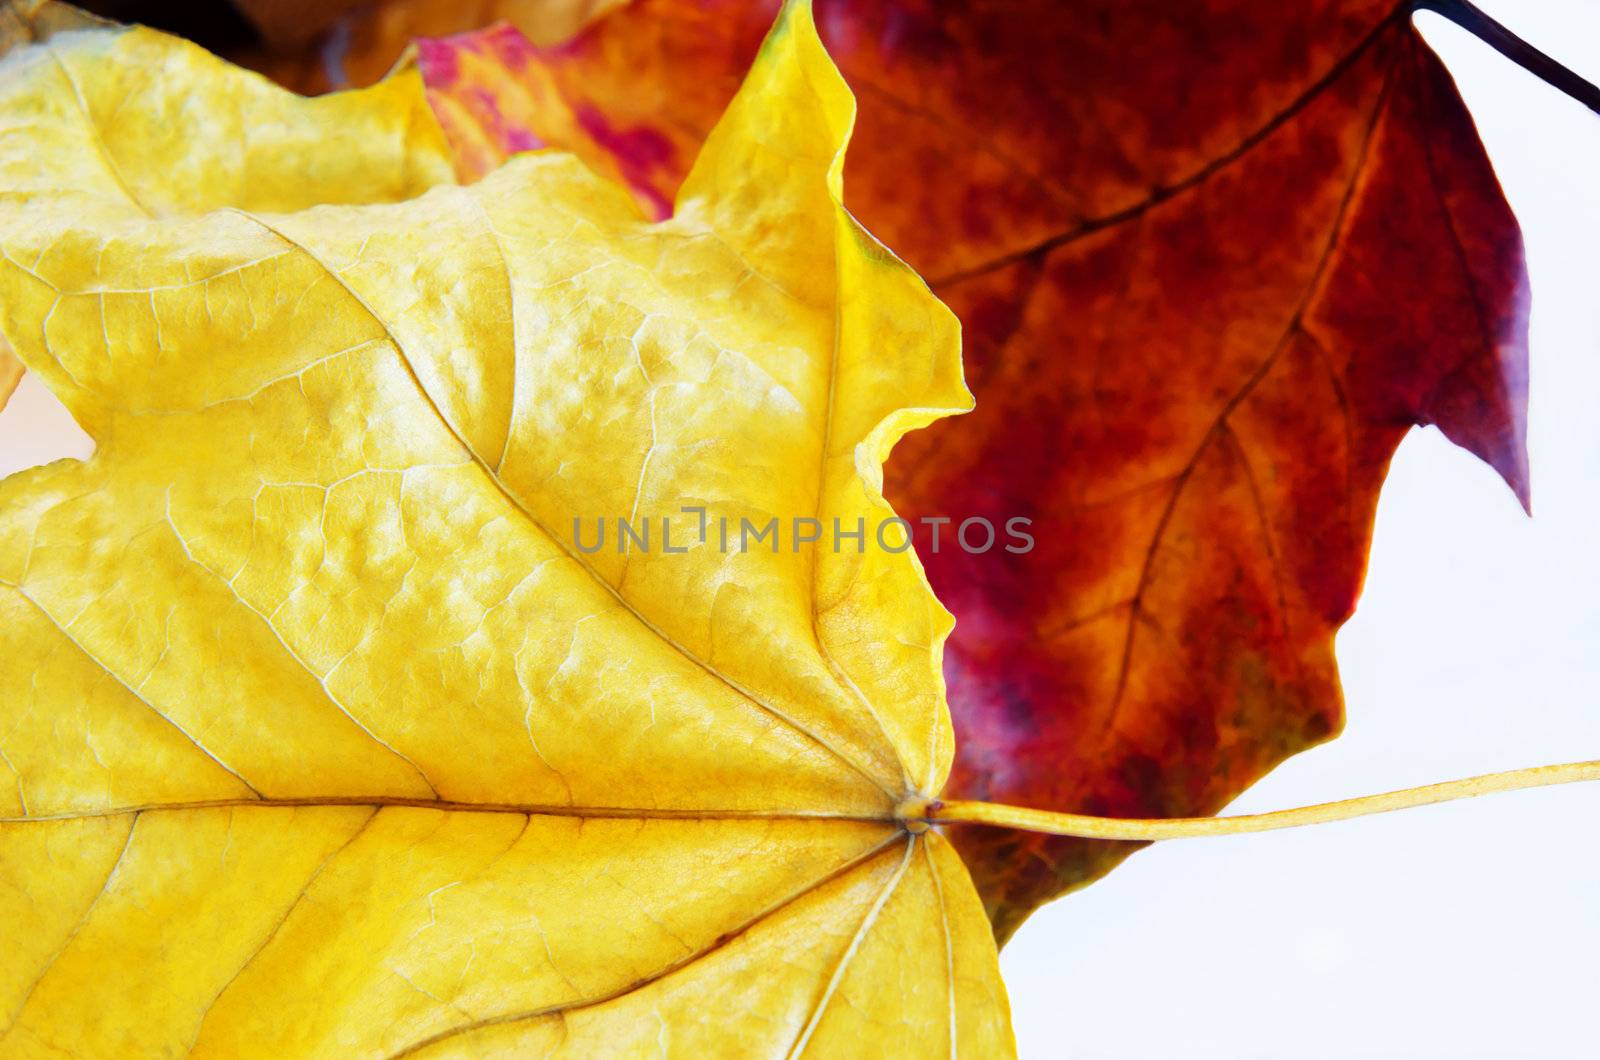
<point x="1212" y="267"/>
<point x="491" y="92"/>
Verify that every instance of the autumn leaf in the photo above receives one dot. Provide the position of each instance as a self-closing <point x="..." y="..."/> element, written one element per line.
<point x="633" y="98"/>
<point x="316" y="45"/>
<point x="322" y="733"/>
<point x="1257" y="318"/>
<point x="1212" y="265"/>
<point x="494" y="98"/>
<point x="284" y="24"/>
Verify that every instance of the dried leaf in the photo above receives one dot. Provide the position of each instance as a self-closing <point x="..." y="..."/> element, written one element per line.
<point x="1212" y="264"/>
<point x="318" y="45"/>
<point x="322" y="733"/>
<point x="286" y="24"/>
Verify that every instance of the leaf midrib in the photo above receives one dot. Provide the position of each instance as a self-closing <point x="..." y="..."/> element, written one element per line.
<point x="456" y="806"/>
<point x="1205" y="172"/>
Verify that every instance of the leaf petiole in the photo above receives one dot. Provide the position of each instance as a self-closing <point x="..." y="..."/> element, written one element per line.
<point x="1135" y="829"/>
<point x="1472" y="19"/>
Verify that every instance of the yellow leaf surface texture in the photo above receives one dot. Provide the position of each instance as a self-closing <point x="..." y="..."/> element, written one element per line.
<point x="321" y="734"/>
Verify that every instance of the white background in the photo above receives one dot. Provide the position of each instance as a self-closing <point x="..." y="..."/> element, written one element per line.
<point x="1457" y="932"/>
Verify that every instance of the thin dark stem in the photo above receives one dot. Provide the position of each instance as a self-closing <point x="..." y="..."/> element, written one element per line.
<point x="1470" y="18"/>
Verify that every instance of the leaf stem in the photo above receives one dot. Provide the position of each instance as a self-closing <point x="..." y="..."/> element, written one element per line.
<point x="1472" y="19"/>
<point x="1134" y="829"/>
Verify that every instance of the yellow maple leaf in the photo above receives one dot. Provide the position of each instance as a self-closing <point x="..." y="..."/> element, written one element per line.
<point x="320" y="731"/>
